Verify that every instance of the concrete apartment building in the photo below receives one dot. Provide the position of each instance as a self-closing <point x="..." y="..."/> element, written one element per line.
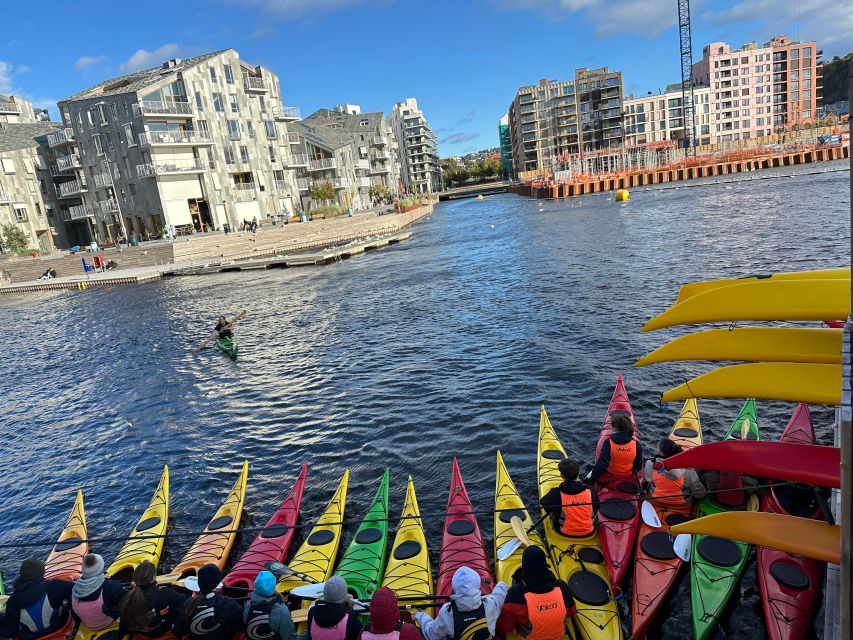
<point x="756" y="91"/>
<point x="557" y="118"/>
<point x="353" y="151"/>
<point x="658" y="118"/>
<point x="418" y="148"/>
<point x="194" y="144"/>
<point x="16" y="109"/>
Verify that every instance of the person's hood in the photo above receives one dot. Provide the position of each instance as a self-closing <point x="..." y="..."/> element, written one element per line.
<point x="259" y="599"/>
<point x="328" y="614"/>
<point x="384" y="614"/>
<point x="466" y="589"/>
<point x="622" y="437"/>
<point x="28" y="592"/>
<point x="537" y="575"/>
<point x="573" y="487"/>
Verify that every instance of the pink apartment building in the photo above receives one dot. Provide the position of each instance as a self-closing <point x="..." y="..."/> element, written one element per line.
<point x="756" y="91"/>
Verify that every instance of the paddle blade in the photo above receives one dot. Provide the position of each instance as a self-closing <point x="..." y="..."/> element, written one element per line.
<point x="744" y="429"/>
<point x="681" y="545"/>
<point x="278" y="569"/>
<point x="752" y="504"/>
<point x="508" y="548"/>
<point x="309" y="590"/>
<point x="191" y="583"/>
<point x="650" y="515"/>
<point x="518" y="530"/>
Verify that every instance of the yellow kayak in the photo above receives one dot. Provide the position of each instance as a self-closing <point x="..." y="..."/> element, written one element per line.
<point x="212" y="547"/>
<point x="85" y="633"/>
<point x="66" y="558"/>
<point x="821" y="346"/>
<point x="408" y="572"/>
<point x="799" y="536"/>
<point x="761" y="300"/>
<point x="152" y="523"/>
<point x="579" y="561"/>
<point x="693" y="288"/>
<point x="794" y="382"/>
<point x="687" y="430"/>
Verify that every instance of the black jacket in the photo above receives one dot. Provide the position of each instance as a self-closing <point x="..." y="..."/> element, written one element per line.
<point x="603" y="461"/>
<point x="552" y="501"/>
<point x="227" y="613"/>
<point x="168" y="607"/>
<point x="29" y="593"/>
<point x="328" y="614"/>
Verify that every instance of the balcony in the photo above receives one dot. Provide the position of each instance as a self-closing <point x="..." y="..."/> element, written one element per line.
<point x="379" y="168"/>
<point x="364" y="183"/>
<point x="304" y="184"/>
<point x="281" y="185"/>
<point x="381" y="154"/>
<point x="175" y="138"/>
<point x="169" y="167"/>
<point x="61" y="137"/>
<point x="253" y="84"/>
<point x="379" y="141"/>
<point x="7" y="108"/>
<point x="77" y="212"/>
<point x="295" y="160"/>
<point x="321" y="164"/>
<point x="71" y="189"/>
<point x="5" y="197"/>
<point x="244" y="191"/>
<point x="107" y="206"/>
<point x="362" y="165"/>
<point x="341" y="183"/>
<point x="163" y="109"/>
<point x="293" y="137"/>
<point x="69" y="162"/>
<point x="286" y="114"/>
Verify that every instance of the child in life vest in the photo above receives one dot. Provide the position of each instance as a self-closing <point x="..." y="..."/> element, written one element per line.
<point x="621" y="455"/>
<point x="37" y="606"/>
<point x="672" y="489"/>
<point x="469" y="615"/>
<point x="332" y="617"/>
<point x="95" y="599"/>
<point x="265" y="614"/>
<point x="385" y="621"/>
<point x="538" y="607"/>
<point x="571" y="505"/>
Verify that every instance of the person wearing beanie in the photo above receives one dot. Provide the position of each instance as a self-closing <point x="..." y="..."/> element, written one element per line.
<point x="265" y="615"/>
<point x="538" y="605"/>
<point x="95" y="599"/>
<point x="332" y="617"/>
<point x="37" y="606"/>
<point x="385" y="619"/>
<point x="210" y="615"/>
<point x="148" y="610"/>
<point x="469" y="612"/>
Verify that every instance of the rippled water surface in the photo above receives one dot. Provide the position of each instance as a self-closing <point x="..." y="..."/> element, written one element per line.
<point x="445" y="344"/>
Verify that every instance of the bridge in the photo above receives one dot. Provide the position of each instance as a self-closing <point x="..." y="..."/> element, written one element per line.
<point x="474" y="190"/>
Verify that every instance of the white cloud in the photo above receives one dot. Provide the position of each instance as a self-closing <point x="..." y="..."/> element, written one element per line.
<point x="8" y="73"/>
<point x="5" y="77"/>
<point x="143" y="59"/>
<point x="84" y="62"/>
<point x="291" y="9"/>
<point x="608" y="17"/>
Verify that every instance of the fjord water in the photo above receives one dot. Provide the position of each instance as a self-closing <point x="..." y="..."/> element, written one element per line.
<point x="443" y="345"/>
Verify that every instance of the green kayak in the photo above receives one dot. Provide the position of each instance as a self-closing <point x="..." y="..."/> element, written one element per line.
<point x="229" y="346"/>
<point x="717" y="563"/>
<point x="363" y="563"/>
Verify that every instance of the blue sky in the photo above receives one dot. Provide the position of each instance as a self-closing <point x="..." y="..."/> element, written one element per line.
<point x="462" y="60"/>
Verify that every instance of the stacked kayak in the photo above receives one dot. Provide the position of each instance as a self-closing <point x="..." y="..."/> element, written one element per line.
<point x="717" y="563"/>
<point x="408" y="572"/>
<point x="461" y="541"/>
<point x="790" y="585"/>
<point x="618" y="513"/>
<point x="66" y="557"/>
<point x="364" y="560"/>
<point x="656" y="567"/>
<point x="274" y="540"/>
<point x="579" y="560"/>
<point x="229" y="346"/>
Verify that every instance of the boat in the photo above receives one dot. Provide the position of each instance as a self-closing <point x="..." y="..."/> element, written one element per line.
<point x="229" y="346"/>
<point x="656" y="567"/>
<point x="214" y="544"/>
<point x="66" y="557"/>
<point x="363" y="562"/>
<point x="461" y="540"/>
<point x="408" y="572"/>
<point x="272" y="543"/>
<point x="618" y="513"/>
<point x="791" y="585"/>
<point x="717" y="563"/>
<point x="141" y="546"/>
<point x="579" y="560"/>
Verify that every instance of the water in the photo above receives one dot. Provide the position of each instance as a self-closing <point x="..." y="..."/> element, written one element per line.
<point x="445" y="344"/>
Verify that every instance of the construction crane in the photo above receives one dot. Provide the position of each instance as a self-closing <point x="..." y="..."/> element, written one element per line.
<point x="687" y="105"/>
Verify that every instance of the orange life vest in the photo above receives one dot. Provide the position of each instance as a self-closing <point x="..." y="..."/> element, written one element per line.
<point x="622" y="458"/>
<point x="547" y="613"/>
<point x="668" y="492"/>
<point x="577" y="513"/>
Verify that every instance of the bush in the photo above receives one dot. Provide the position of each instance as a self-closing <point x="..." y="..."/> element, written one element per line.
<point x="13" y="240"/>
<point x="379" y="191"/>
<point x="322" y="191"/>
<point x="328" y="210"/>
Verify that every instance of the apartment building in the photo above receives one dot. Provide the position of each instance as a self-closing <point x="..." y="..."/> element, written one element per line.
<point x="418" y="148"/>
<point x="193" y="144"/>
<point x="756" y="91"/>
<point x="657" y="118"/>
<point x="557" y="118"/>
<point x="16" y="109"/>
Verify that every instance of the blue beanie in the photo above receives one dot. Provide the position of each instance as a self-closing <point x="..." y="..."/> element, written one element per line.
<point x="265" y="584"/>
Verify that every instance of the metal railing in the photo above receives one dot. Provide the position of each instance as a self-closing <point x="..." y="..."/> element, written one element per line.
<point x="107" y="206"/>
<point x="10" y="107"/>
<point x="5" y="197"/>
<point x="63" y="136"/>
<point x="364" y="182"/>
<point x="286" y="113"/>
<point x="71" y="188"/>
<point x="66" y="163"/>
<point x="293" y="137"/>
<point x="341" y="183"/>
<point x="77" y="212"/>
<point x="163" y="167"/>
<point x="253" y="83"/>
<point x="379" y="141"/>
<point x="381" y="154"/>
<point x="295" y="160"/>
<point x="321" y="163"/>
<point x="380" y="168"/>
<point x="150" y="138"/>
<point x="153" y="108"/>
<point x="304" y="184"/>
<point x="103" y="180"/>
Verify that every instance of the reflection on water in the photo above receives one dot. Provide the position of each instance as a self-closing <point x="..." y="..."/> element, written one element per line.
<point x="445" y="344"/>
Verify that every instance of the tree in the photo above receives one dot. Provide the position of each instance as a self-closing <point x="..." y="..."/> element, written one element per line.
<point x="379" y="191"/>
<point x="13" y="240"/>
<point x="835" y="79"/>
<point x="491" y="167"/>
<point x="323" y="191"/>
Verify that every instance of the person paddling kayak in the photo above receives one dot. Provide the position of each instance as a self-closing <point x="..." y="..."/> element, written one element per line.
<point x="223" y="328"/>
<point x="571" y="505"/>
<point x="95" y="599"/>
<point x="148" y="610"/>
<point x="37" y="606"/>
<point x="621" y="455"/>
<point x="675" y="489"/>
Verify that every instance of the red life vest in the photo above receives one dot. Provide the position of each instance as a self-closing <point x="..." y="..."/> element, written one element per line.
<point x="577" y="513"/>
<point x="547" y="613"/>
<point x="622" y="458"/>
<point x="668" y="492"/>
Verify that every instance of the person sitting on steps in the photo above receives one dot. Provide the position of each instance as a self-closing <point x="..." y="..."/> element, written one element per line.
<point x="573" y="500"/>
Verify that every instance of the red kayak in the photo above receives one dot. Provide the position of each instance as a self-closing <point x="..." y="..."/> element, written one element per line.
<point x="619" y="513"/>
<point x="790" y="585"/>
<point x="461" y="542"/>
<point x="273" y="542"/>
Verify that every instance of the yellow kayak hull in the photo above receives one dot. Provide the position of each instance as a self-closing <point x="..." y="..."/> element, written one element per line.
<point x="793" y="382"/>
<point x="693" y="288"/>
<point x="410" y="575"/>
<point x="819" y="346"/>
<point x="85" y="633"/>
<point x="761" y="300"/>
<point x="592" y="622"/>
<point x="799" y="536"/>
<point x="688" y="420"/>
<point x="153" y="522"/>
<point x="65" y="558"/>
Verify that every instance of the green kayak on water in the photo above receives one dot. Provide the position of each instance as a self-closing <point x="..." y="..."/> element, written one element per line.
<point x="229" y="346"/>
<point x="363" y="564"/>
<point x="717" y="563"/>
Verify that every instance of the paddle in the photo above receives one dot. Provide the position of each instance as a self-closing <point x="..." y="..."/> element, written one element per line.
<point x="650" y="515"/>
<point x="282" y="570"/>
<point x="510" y="547"/>
<point x="213" y="335"/>
<point x="682" y="545"/>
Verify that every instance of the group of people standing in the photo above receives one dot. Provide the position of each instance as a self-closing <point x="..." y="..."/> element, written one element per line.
<point x="249" y="225"/>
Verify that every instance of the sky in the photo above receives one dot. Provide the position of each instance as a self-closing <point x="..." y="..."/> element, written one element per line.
<point x="463" y="60"/>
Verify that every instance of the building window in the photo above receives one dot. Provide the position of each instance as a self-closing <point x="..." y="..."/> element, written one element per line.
<point x="31" y="185"/>
<point x="807" y="115"/>
<point x="114" y="110"/>
<point x="250" y="128"/>
<point x="199" y="104"/>
<point x="271" y="149"/>
<point x="235" y="107"/>
<point x="217" y="102"/>
<point x="234" y="129"/>
<point x="229" y="74"/>
<point x="229" y="155"/>
<point x="269" y="125"/>
<point x="202" y="126"/>
<point x="244" y="154"/>
<point x="89" y="117"/>
<point x="102" y="114"/>
<point x="213" y="75"/>
<point x="128" y="134"/>
<point x="20" y="213"/>
<point x="263" y="104"/>
<point x="96" y="139"/>
<point x="39" y="212"/>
